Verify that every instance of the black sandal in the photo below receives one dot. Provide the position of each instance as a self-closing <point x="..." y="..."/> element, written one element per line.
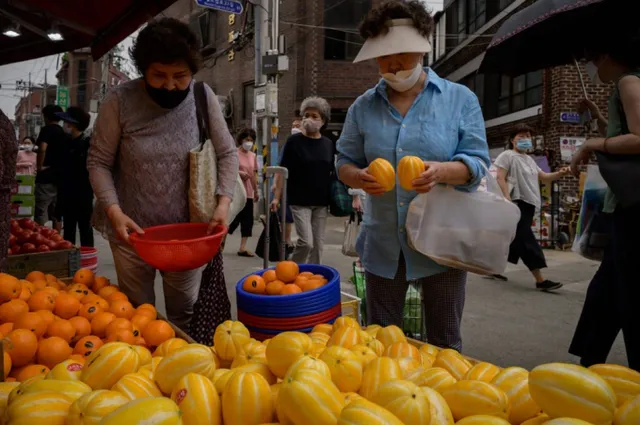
<point x="246" y="254"/>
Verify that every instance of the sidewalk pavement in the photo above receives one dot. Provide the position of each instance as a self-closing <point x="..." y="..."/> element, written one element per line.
<point x="506" y="323"/>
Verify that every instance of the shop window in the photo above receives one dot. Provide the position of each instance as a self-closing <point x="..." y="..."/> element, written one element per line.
<point x="475" y="82"/>
<point x="341" y="18"/>
<point x="463" y="18"/>
<point x="203" y="26"/>
<point x="247" y="103"/>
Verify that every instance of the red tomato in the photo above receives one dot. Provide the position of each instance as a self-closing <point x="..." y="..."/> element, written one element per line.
<point x="29" y="248"/>
<point x="43" y="248"/>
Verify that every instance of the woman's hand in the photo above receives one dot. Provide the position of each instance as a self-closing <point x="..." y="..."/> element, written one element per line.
<point x="565" y="171"/>
<point x="581" y="157"/>
<point x="244" y="175"/>
<point x="220" y="214"/>
<point x="369" y="183"/>
<point x="122" y="223"/>
<point x="435" y="173"/>
<point x="356" y="203"/>
<point x="275" y="204"/>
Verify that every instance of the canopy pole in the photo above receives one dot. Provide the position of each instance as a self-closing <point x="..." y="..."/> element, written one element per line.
<point x="584" y="87"/>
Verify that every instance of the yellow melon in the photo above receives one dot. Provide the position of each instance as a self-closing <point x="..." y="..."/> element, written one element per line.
<point x="364" y="354"/>
<point x="144" y="354"/>
<point x="345" y="321"/>
<point x="345" y="368"/>
<point x="68" y="370"/>
<point x="468" y="398"/>
<point x="5" y="389"/>
<point x="169" y="346"/>
<point x="260" y="369"/>
<point x="136" y="385"/>
<point x="320" y="338"/>
<point x="405" y="400"/>
<point x="109" y="363"/>
<point x="92" y="407"/>
<point x="429" y="349"/>
<point x="401" y="349"/>
<point x="565" y="390"/>
<point x="440" y="411"/>
<point x="452" y="362"/>
<point x="253" y="352"/>
<point x="409" y="169"/>
<point x="538" y="420"/>
<point x="364" y="337"/>
<point x="308" y="362"/>
<point x="198" y="400"/>
<point x="324" y="328"/>
<point x="376" y="373"/>
<point x="285" y="349"/>
<point x="624" y="381"/>
<point x="345" y="336"/>
<point x="427" y="360"/>
<point x="151" y="410"/>
<point x="229" y="338"/>
<point x="408" y="365"/>
<point x="567" y="421"/>
<point x="376" y="346"/>
<point x="384" y="173"/>
<point x="52" y="409"/>
<point x="628" y="413"/>
<point x="364" y="412"/>
<point x="309" y="398"/>
<point x="373" y="330"/>
<point x="390" y="335"/>
<point x="194" y="358"/>
<point x="418" y="376"/>
<point x="316" y="349"/>
<point x="514" y="381"/>
<point x="149" y="369"/>
<point x="482" y="420"/>
<point x="72" y="389"/>
<point x="482" y="372"/>
<point x="436" y="378"/>
<point x="246" y="400"/>
<point x="351" y="397"/>
<point x="221" y="378"/>
<point x="16" y="391"/>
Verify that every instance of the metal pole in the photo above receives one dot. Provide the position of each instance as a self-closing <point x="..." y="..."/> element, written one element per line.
<point x="261" y="39"/>
<point x="44" y="95"/>
<point x="29" y="117"/>
<point x="275" y="41"/>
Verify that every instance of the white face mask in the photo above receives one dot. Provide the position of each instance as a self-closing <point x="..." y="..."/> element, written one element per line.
<point x="311" y="126"/>
<point x="592" y="70"/>
<point x="247" y="146"/>
<point x="402" y="81"/>
<point x="295" y="130"/>
<point x="27" y="148"/>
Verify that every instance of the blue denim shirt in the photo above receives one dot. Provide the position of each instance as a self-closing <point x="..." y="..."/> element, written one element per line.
<point x="444" y="123"/>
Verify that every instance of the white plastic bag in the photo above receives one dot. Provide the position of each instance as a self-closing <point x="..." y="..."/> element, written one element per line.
<point x="351" y="230"/>
<point x="593" y="230"/>
<point x="462" y="230"/>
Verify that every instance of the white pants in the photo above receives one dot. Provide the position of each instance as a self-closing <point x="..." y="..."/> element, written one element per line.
<point x="310" y="225"/>
<point x="136" y="279"/>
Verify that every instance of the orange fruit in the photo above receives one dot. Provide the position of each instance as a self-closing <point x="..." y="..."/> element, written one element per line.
<point x="81" y="325"/>
<point x="312" y="284"/>
<point x="7" y="364"/>
<point x="89" y="311"/>
<point x="87" y="345"/>
<point x="26" y="290"/>
<point x="307" y="274"/>
<point x="122" y="308"/>
<point x="78" y="290"/>
<point x="10" y="311"/>
<point x="100" y="322"/>
<point x="99" y="301"/>
<point x="53" y="350"/>
<point x="5" y="328"/>
<point x="290" y="288"/>
<point x="84" y="276"/>
<point x="140" y="321"/>
<point x="62" y="329"/>
<point x="67" y="306"/>
<point x="41" y="300"/>
<point x="269" y="276"/>
<point x="99" y="283"/>
<point x="147" y="310"/>
<point x="157" y="332"/>
<point x="53" y="291"/>
<point x="50" y="278"/>
<point x="30" y="371"/>
<point x="55" y="285"/>
<point x="254" y="284"/>
<point x="107" y="290"/>
<point x="31" y="321"/>
<point x="47" y="316"/>
<point x="122" y="335"/>
<point x="21" y="345"/>
<point x="300" y="281"/>
<point x="275" y="287"/>
<point x="10" y="287"/>
<point x="287" y="271"/>
<point x="118" y="324"/>
<point x="33" y="276"/>
<point x="117" y="296"/>
<point x="89" y="298"/>
<point x="39" y="284"/>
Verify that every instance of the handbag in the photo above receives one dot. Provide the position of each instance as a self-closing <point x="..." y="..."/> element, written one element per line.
<point x="275" y="239"/>
<point x="203" y="170"/>
<point x="622" y="174"/>
<point x="351" y="230"/>
<point x="340" y="203"/>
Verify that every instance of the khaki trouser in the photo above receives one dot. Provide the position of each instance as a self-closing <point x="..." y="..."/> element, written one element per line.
<point x="310" y="225"/>
<point x="136" y="279"/>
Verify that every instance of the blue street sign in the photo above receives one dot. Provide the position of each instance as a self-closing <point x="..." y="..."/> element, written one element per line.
<point x="230" y="6"/>
<point x="570" y="117"/>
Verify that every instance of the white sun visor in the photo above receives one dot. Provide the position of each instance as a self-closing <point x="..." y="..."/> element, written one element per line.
<point x="402" y="37"/>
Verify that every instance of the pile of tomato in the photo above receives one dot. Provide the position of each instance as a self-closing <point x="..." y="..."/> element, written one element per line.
<point x="27" y="237"/>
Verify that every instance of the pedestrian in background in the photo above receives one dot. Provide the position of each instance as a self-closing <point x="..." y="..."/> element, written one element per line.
<point x="9" y="153"/>
<point x="27" y="160"/>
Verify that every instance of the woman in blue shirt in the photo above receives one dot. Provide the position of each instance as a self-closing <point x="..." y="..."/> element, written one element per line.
<point x="411" y="111"/>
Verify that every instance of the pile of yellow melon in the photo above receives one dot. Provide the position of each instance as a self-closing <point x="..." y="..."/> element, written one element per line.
<point x="338" y="374"/>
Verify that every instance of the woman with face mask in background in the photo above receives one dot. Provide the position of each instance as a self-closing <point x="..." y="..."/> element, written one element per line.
<point x="139" y="161"/>
<point x="27" y="159"/>
<point x="309" y="157"/>
<point x="411" y="111"/>
<point x="249" y="174"/>
<point x="519" y="178"/>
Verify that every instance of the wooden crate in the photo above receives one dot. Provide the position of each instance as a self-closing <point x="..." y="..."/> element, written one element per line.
<point x="61" y="264"/>
<point x="179" y="332"/>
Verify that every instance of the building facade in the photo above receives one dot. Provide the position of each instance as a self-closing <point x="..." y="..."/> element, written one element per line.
<point x="28" y="118"/>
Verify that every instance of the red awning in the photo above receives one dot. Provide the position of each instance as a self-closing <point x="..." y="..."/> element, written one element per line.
<point x="99" y="24"/>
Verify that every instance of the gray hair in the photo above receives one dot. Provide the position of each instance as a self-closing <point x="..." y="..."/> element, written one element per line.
<point x="318" y="103"/>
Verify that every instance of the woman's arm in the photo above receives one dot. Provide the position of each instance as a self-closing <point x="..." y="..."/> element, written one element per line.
<point x="502" y="182"/>
<point x="595" y="112"/>
<point x="254" y="178"/>
<point x="551" y="177"/>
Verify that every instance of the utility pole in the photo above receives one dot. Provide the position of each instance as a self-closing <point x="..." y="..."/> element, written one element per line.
<point x="44" y="95"/>
<point x="261" y="38"/>
<point x="29" y="111"/>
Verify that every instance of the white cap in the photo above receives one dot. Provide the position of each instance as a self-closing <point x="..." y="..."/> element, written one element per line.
<point x="402" y="37"/>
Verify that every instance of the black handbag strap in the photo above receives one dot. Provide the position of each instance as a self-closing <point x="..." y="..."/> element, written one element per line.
<point x="202" y="111"/>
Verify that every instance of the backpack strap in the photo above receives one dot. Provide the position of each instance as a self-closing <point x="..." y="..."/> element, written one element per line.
<point x="202" y="111"/>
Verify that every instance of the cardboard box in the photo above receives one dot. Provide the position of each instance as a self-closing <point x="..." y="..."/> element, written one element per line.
<point x="25" y="185"/>
<point x="61" y="264"/>
<point x="22" y="206"/>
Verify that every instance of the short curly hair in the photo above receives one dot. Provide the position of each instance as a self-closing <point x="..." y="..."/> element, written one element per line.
<point x="166" y="41"/>
<point x="318" y="103"/>
<point x="244" y="133"/>
<point x="375" y="23"/>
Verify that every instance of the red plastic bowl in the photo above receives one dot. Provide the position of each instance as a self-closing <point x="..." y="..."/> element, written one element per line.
<point x="178" y="247"/>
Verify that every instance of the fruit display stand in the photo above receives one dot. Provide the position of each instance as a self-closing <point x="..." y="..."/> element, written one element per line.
<point x="61" y="264"/>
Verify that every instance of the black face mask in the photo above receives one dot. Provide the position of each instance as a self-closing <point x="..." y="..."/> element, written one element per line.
<point x="167" y="99"/>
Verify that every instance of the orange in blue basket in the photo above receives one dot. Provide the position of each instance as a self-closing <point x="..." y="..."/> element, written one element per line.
<point x="290" y="288"/>
<point x="287" y="271"/>
<point x="275" y="287"/>
<point x="254" y="284"/>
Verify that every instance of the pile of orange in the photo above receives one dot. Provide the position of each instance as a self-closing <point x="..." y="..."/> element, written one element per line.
<point x="285" y="279"/>
<point x="44" y="321"/>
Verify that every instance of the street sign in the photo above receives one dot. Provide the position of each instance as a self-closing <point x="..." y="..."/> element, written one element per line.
<point x="569" y="145"/>
<point x="570" y="117"/>
<point x="229" y="6"/>
<point x="62" y="97"/>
